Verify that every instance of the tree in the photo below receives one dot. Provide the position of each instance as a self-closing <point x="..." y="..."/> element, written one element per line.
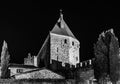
<point x="106" y="53"/>
<point x="114" y="59"/>
<point x="101" y="60"/>
<point x="5" y="57"/>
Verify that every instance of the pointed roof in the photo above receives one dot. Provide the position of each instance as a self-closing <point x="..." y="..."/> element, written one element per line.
<point x="62" y="28"/>
<point x="44" y="52"/>
<point x="44" y="47"/>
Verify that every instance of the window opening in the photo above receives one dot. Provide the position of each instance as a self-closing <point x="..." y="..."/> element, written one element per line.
<point x="65" y="40"/>
<point x="73" y="43"/>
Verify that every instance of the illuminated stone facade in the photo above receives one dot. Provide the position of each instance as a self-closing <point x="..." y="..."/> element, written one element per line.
<point x="64" y="49"/>
<point x="60" y="48"/>
<point x="29" y="60"/>
<point x="60" y="45"/>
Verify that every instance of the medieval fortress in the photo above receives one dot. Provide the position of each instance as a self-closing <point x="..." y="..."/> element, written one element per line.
<point x="60" y="49"/>
<point x="64" y="47"/>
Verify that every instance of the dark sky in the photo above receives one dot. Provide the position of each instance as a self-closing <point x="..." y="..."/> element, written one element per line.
<point x="25" y="25"/>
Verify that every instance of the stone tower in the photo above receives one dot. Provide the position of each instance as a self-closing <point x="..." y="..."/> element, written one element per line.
<point x="64" y="47"/>
<point x="60" y="45"/>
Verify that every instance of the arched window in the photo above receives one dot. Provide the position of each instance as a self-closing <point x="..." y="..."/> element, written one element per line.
<point x="65" y="41"/>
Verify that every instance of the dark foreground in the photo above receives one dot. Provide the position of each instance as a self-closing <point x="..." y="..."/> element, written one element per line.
<point x="41" y="81"/>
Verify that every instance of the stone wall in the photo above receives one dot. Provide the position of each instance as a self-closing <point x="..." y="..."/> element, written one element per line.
<point x="29" y="60"/>
<point x="64" y="49"/>
<point x="74" y="56"/>
<point x="60" y="48"/>
<point x="35" y="61"/>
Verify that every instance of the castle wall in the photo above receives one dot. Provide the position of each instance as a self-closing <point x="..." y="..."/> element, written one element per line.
<point x="59" y="48"/>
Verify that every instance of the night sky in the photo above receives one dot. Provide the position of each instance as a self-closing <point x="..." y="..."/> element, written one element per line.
<point x="25" y="25"/>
